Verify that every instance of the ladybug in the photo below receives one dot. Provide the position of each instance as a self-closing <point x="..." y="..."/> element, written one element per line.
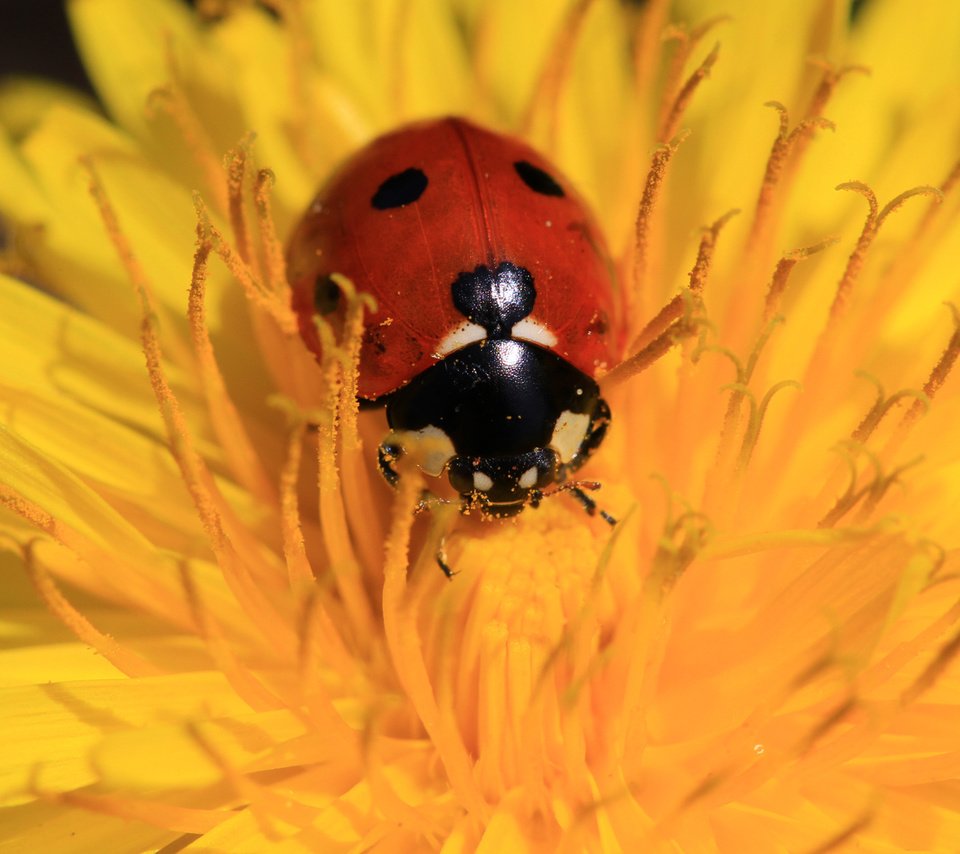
<point x="494" y="294"/>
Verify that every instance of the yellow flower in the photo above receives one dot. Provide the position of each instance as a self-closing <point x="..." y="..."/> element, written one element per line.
<point x="204" y="650"/>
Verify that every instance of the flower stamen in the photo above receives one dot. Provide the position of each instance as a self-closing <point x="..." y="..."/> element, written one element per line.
<point x="236" y="164"/>
<point x="125" y="660"/>
<point x="670" y="122"/>
<point x="784" y="154"/>
<point x="271" y="246"/>
<point x="403" y="641"/>
<point x="938" y="376"/>
<point x="882" y="405"/>
<point x="337" y="542"/>
<point x="172" y="100"/>
<point x="781" y="274"/>
<point x="828" y="84"/>
<point x="256" y="292"/>
<point x="231" y="432"/>
<point x="684" y="301"/>
<point x="548" y="90"/>
<point x="685" y="42"/>
<point x="632" y="295"/>
<point x="875" y="218"/>
<point x="649" y="355"/>
<point x="247" y="686"/>
<point x="212" y="510"/>
<point x="131" y="265"/>
<point x="757" y="413"/>
<point x="299" y="571"/>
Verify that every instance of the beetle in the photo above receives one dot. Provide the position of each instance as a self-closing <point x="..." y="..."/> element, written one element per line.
<point x="494" y="295"/>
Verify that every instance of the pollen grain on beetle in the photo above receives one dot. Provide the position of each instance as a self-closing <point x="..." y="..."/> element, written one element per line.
<point x="235" y="456"/>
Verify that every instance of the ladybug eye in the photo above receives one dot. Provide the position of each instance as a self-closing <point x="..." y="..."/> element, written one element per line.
<point x="400" y="189"/>
<point x="326" y="295"/>
<point x="538" y="180"/>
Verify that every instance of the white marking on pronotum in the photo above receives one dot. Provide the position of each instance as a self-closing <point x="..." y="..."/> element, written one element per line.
<point x="569" y="433"/>
<point x="482" y="481"/>
<point x="528" y="479"/>
<point x="530" y="330"/>
<point x="466" y="333"/>
<point x="430" y="447"/>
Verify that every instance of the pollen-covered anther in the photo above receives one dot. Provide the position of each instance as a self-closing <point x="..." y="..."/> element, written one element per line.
<point x="270" y="245"/>
<point x="708" y="243"/>
<point x="676" y="97"/>
<point x="646" y="210"/>
<point x="832" y="75"/>
<point x="875" y="219"/>
<point x="781" y="274"/>
<point x="671" y="120"/>
<point x="235" y="163"/>
<point x="227" y="423"/>
<point x="784" y="154"/>
<point x="269" y="301"/>
<point x="686" y="303"/>
<point x="939" y="374"/>
<point x="882" y="405"/>
<point x="679" y="330"/>
<point x="125" y="660"/>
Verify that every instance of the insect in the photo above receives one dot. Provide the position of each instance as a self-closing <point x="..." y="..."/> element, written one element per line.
<point x="494" y="294"/>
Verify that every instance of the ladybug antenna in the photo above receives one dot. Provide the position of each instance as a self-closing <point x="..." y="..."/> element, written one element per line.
<point x="578" y="489"/>
<point x="428" y="500"/>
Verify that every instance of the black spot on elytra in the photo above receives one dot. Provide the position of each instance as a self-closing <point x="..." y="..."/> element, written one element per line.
<point x="375" y="337"/>
<point x="326" y="295"/>
<point x="401" y="189"/>
<point x="538" y="180"/>
<point x="599" y="324"/>
<point x="495" y="299"/>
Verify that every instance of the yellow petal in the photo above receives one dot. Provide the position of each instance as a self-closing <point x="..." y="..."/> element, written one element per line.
<point x="193" y="756"/>
<point x="51" y="826"/>
<point x="51" y="728"/>
<point x="130" y="49"/>
<point x="24" y="100"/>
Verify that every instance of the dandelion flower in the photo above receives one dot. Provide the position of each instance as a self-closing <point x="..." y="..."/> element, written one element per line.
<point x="222" y="631"/>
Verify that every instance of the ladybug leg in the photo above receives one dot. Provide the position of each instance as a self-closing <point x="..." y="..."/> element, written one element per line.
<point x="591" y="506"/>
<point x="387" y="454"/>
<point x="441" y="558"/>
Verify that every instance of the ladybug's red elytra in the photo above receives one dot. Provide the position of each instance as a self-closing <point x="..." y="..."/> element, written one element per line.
<point x="494" y="297"/>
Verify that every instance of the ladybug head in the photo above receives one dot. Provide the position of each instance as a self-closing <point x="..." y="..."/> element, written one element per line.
<point x="502" y="486"/>
<point x="504" y="418"/>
